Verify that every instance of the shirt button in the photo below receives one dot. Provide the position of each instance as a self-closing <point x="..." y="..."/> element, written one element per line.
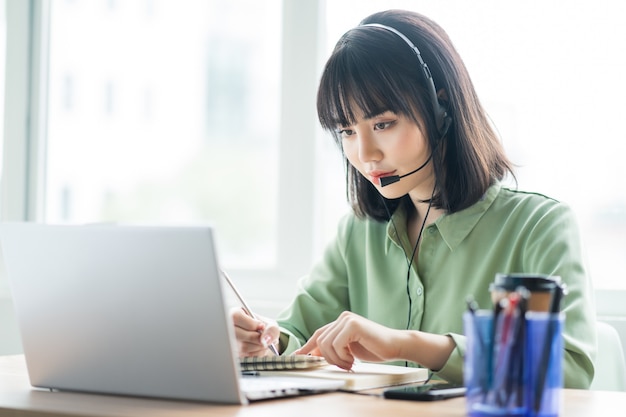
<point x="431" y="230"/>
<point x="419" y="290"/>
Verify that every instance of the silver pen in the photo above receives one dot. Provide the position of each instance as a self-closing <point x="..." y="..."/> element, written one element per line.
<point x="245" y="307"/>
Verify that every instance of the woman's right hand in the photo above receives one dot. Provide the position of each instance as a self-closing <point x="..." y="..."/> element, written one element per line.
<point x="254" y="336"/>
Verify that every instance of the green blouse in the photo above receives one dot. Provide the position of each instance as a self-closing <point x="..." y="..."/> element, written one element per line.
<point x="364" y="270"/>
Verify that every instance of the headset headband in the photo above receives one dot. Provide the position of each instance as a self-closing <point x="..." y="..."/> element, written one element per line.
<point x="441" y="115"/>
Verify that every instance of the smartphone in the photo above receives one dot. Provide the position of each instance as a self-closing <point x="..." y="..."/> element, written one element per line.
<point x="428" y="392"/>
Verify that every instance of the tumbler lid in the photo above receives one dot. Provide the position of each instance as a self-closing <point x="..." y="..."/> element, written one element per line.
<point x="532" y="282"/>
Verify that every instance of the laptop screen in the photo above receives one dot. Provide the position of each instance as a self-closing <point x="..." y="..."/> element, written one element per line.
<point x="131" y="310"/>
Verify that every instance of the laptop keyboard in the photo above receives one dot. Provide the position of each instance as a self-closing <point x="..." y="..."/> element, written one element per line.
<point x="256" y="388"/>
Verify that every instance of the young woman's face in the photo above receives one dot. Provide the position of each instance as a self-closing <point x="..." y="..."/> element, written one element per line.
<point x="385" y="145"/>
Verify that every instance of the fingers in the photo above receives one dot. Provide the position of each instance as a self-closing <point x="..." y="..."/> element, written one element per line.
<point x="336" y="340"/>
<point x="253" y="336"/>
<point x="327" y="342"/>
<point x="269" y="335"/>
<point x="308" y="350"/>
<point x="310" y="347"/>
<point x="352" y="337"/>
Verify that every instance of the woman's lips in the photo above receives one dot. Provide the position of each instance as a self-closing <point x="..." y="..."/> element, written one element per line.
<point x="377" y="175"/>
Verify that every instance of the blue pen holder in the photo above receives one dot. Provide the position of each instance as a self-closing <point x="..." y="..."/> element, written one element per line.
<point x="513" y="366"/>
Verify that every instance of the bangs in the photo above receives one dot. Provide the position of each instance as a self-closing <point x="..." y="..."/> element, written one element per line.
<point x="365" y="80"/>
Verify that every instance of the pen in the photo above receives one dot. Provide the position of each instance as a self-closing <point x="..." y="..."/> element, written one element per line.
<point x="244" y="305"/>
<point x="515" y="386"/>
<point x="472" y="305"/>
<point x="492" y="345"/>
<point x="505" y="346"/>
<point x="555" y="307"/>
<point x="480" y="375"/>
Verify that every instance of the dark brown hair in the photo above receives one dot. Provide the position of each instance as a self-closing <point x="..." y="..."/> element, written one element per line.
<point x="373" y="70"/>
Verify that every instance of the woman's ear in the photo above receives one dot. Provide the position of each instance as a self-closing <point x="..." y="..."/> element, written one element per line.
<point x="442" y="95"/>
<point x="442" y="98"/>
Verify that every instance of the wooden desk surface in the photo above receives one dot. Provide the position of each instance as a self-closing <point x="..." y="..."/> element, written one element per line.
<point x="19" y="399"/>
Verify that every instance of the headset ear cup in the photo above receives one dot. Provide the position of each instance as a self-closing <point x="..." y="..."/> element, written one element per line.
<point x="444" y="120"/>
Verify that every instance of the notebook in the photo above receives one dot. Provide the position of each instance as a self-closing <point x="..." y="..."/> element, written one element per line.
<point x="362" y="376"/>
<point x="130" y="310"/>
<point x="281" y="363"/>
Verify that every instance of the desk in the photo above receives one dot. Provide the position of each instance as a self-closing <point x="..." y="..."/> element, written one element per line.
<point x="19" y="399"/>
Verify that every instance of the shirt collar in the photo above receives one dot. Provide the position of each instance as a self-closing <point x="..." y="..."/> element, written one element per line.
<point x="453" y="228"/>
<point x="396" y="230"/>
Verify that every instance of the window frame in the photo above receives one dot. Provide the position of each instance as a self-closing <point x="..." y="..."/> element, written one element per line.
<point x="25" y="110"/>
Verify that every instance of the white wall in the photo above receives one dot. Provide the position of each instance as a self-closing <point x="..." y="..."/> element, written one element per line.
<point x="10" y="343"/>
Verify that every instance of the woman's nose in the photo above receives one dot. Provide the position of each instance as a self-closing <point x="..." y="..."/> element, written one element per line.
<point x="368" y="149"/>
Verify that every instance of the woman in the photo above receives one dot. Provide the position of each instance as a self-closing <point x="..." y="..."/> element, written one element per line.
<point x="431" y="223"/>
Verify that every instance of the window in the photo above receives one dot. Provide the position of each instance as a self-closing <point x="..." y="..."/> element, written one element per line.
<point x="2" y="61"/>
<point x="167" y="112"/>
<point x="3" y="285"/>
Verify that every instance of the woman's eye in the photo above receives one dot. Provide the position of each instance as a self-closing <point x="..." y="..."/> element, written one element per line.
<point x="345" y="132"/>
<point x="382" y="125"/>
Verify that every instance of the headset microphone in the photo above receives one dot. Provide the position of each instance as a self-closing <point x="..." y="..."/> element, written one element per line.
<point x="385" y="181"/>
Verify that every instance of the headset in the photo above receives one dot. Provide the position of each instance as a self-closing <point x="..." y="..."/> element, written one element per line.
<point x="442" y="118"/>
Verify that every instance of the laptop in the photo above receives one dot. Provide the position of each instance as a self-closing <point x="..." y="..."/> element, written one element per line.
<point x="130" y="310"/>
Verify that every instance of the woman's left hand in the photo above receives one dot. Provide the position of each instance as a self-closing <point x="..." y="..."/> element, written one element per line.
<point x="353" y="337"/>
